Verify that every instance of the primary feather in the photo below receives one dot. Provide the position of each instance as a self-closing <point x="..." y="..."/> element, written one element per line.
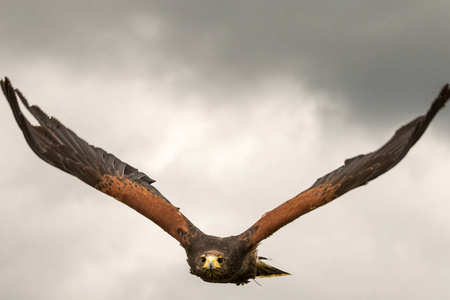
<point x="232" y="259"/>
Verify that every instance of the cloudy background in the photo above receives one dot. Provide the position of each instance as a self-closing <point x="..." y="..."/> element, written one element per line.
<point x="233" y="107"/>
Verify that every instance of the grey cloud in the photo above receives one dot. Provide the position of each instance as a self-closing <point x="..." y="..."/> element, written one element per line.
<point x="372" y="56"/>
<point x="233" y="107"/>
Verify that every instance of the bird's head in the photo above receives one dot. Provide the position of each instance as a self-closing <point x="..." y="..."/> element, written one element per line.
<point x="213" y="265"/>
<point x="221" y="261"/>
<point x="211" y="262"/>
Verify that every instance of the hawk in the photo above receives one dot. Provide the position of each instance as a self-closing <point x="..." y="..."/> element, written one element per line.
<point x="232" y="259"/>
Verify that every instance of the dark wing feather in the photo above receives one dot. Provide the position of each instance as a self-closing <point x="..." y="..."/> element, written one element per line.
<point x="62" y="148"/>
<point x="355" y="172"/>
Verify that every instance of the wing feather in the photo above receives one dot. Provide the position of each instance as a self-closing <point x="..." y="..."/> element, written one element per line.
<point x="355" y="172"/>
<point x="62" y="148"/>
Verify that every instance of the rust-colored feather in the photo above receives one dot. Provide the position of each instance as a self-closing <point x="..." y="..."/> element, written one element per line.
<point x="62" y="148"/>
<point x="355" y="172"/>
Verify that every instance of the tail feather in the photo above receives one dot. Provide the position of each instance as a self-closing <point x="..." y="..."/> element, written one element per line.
<point x="265" y="270"/>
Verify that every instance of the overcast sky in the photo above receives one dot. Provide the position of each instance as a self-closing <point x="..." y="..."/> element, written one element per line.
<point x="232" y="107"/>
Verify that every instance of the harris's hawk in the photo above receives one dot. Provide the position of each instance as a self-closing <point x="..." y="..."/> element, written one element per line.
<point x="231" y="259"/>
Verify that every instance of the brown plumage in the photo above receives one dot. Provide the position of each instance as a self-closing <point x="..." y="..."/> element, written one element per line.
<point x="221" y="260"/>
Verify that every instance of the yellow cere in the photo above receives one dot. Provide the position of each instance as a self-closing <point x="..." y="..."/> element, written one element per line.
<point x="211" y="260"/>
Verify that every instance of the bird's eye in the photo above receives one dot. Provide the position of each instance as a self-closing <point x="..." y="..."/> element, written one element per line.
<point x="203" y="259"/>
<point x="220" y="260"/>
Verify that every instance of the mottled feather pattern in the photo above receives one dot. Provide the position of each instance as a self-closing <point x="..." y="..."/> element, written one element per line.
<point x="62" y="148"/>
<point x="231" y="259"/>
<point x="355" y="172"/>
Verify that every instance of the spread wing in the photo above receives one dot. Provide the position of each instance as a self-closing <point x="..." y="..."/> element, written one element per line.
<point x="355" y="172"/>
<point x="62" y="148"/>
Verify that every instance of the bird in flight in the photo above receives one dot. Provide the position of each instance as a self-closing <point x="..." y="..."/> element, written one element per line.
<point x="232" y="259"/>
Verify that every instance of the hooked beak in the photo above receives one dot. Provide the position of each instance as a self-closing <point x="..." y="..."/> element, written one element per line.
<point x="211" y="263"/>
<point x="210" y="266"/>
